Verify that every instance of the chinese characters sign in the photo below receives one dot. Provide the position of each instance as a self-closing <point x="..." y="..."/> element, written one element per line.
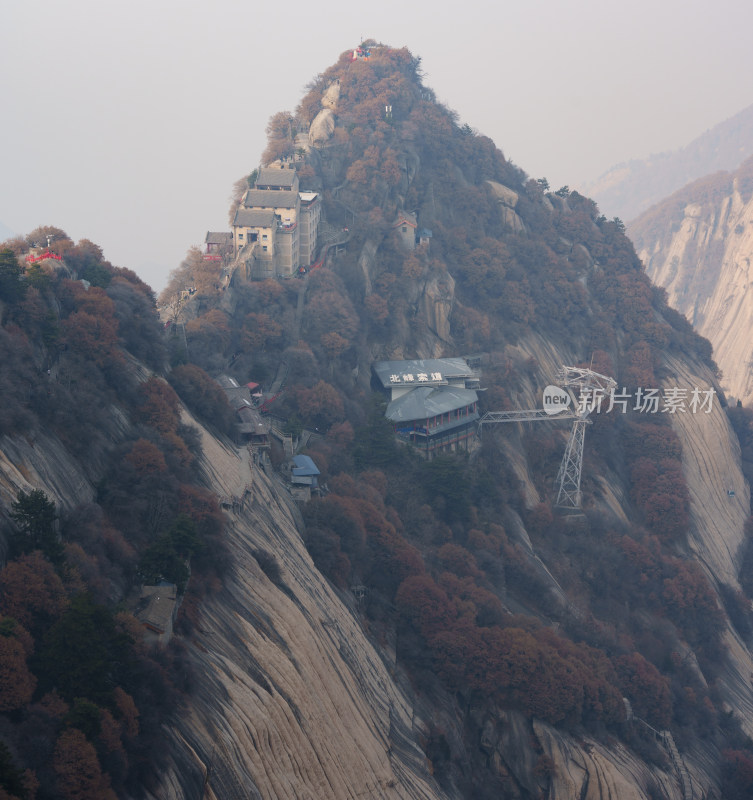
<point x="418" y="377"/>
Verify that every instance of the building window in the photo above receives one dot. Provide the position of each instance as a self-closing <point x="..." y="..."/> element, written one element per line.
<point x="240" y="235"/>
<point x="405" y="229"/>
<point x="264" y="237"/>
<point x="264" y="248"/>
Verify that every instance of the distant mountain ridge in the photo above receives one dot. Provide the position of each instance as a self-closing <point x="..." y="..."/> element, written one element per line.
<point x="698" y="245"/>
<point x="628" y="189"/>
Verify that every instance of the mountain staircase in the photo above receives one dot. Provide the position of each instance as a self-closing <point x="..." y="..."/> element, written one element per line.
<point x="666" y="739"/>
<point x="682" y="771"/>
<point x="279" y="381"/>
<point x="332" y="236"/>
<point x="285" y="438"/>
<point x="299" y="311"/>
<point x="348" y="209"/>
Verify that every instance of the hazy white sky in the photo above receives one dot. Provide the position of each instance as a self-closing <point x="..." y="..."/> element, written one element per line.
<point x="126" y="122"/>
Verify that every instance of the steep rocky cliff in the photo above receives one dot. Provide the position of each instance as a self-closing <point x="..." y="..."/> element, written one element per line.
<point x="388" y="735"/>
<point x="422" y="629"/>
<point x="292" y="697"/>
<point x="698" y="245"/>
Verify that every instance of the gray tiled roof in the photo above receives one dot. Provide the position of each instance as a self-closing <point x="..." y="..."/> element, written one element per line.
<point x="269" y="176"/>
<point x="160" y="606"/>
<point x="270" y="198"/>
<point x="239" y="398"/>
<point x="219" y="237"/>
<point x="425" y="402"/>
<point x="253" y="218"/>
<point x="251" y="417"/>
<point x="448" y="368"/>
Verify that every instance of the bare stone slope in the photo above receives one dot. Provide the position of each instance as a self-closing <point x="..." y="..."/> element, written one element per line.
<point x="293" y="700"/>
<point x="698" y="245"/>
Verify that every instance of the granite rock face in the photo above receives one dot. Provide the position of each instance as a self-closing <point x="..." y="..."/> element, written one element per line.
<point x="436" y="301"/>
<point x="331" y="96"/>
<point x="292" y="698"/>
<point x="698" y="245"/>
<point x="322" y="127"/>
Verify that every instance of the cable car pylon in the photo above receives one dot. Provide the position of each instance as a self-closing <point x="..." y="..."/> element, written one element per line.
<point x="591" y="388"/>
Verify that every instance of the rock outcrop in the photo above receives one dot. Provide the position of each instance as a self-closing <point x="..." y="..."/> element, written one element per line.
<point x="331" y="96"/>
<point x="507" y="200"/>
<point x="292" y="699"/>
<point x="436" y="303"/>
<point x="322" y="127"/>
<point x="294" y="691"/>
<point x="698" y="245"/>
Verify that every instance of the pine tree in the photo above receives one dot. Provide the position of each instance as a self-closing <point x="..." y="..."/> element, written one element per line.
<point x="34" y="514"/>
<point x="12" y="288"/>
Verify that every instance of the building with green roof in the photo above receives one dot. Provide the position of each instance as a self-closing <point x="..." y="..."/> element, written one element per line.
<point x="433" y="402"/>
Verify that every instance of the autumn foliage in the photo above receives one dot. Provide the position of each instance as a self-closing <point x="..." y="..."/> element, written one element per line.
<point x="77" y="767"/>
<point x="160" y="406"/>
<point x="90" y="326"/>
<point x="489" y="597"/>
<point x="203" y="396"/>
<point x="535" y="671"/>
<point x="81" y="698"/>
<point x="146" y="458"/>
<point x="17" y="684"/>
